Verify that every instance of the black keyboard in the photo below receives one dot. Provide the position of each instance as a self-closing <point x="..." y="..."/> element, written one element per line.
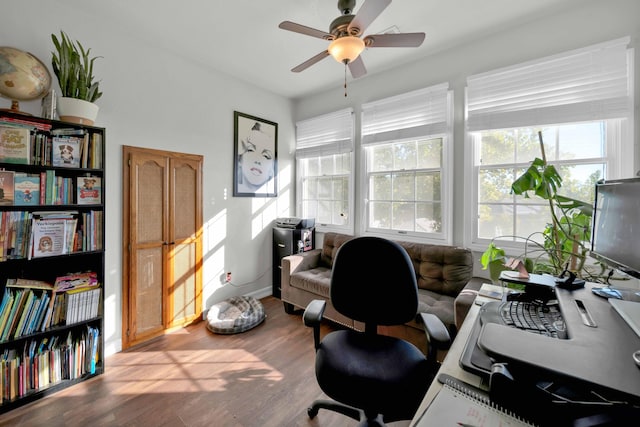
<point x="528" y="315"/>
<point x="533" y="317"/>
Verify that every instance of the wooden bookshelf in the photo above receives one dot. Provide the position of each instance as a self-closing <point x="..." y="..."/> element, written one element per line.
<point x="61" y="204"/>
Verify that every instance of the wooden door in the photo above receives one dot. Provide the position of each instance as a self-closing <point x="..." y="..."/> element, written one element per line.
<point x="162" y="239"/>
<point x="185" y="249"/>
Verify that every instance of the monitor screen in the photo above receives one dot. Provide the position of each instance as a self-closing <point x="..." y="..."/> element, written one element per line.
<point x="615" y="237"/>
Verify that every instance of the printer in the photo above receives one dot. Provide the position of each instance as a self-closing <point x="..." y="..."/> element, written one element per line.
<point x="295" y="223"/>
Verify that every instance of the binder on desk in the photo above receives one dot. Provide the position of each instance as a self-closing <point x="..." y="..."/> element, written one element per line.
<point x="460" y="404"/>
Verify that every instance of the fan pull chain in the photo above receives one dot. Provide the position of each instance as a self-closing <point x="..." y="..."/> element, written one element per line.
<point x="345" y="79"/>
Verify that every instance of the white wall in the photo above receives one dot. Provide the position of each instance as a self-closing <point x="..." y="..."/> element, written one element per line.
<point x="595" y="21"/>
<point x="157" y="100"/>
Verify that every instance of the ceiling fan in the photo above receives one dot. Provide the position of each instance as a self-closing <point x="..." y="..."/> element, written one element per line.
<point x="345" y="34"/>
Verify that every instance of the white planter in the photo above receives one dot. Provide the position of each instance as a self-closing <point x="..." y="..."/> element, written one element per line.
<point x="74" y="110"/>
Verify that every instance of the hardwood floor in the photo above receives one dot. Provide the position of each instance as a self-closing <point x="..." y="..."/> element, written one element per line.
<point x="262" y="377"/>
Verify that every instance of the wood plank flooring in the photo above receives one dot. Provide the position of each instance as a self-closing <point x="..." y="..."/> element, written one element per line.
<point x="191" y="377"/>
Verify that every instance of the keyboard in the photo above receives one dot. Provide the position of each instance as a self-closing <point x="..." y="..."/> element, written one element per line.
<point x="533" y="317"/>
<point x="529" y="316"/>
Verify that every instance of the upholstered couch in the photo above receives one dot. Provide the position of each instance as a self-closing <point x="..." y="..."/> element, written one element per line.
<point x="446" y="287"/>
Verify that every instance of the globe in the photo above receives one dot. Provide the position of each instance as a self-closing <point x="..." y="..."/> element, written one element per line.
<point x="22" y="76"/>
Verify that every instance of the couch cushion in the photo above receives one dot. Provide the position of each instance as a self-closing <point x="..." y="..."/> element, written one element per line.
<point x="440" y="268"/>
<point x="330" y="245"/>
<point x="438" y="304"/>
<point x="317" y="281"/>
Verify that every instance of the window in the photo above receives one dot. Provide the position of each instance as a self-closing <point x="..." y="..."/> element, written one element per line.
<point x="406" y="154"/>
<point x="324" y="155"/>
<point x="580" y="101"/>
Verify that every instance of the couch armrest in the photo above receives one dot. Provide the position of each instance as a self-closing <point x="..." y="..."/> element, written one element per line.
<point x="297" y="262"/>
<point x="466" y="298"/>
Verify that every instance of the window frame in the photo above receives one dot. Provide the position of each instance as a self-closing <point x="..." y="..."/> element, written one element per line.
<point x="618" y="149"/>
<point x="325" y="137"/>
<point x="440" y="127"/>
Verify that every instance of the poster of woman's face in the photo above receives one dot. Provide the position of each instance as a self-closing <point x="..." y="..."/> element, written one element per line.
<point x="255" y="154"/>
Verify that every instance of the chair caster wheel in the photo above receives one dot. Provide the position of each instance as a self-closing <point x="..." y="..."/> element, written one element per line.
<point x="312" y="412"/>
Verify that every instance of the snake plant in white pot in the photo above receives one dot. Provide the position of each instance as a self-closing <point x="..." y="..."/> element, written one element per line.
<point x="73" y="67"/>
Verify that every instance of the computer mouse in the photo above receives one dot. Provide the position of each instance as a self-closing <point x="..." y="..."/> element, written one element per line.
<point x="607" y="292"/>
<point x="636" y="358"/>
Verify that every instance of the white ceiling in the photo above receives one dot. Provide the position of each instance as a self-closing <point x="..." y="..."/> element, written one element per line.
<point x="242" y="38"/>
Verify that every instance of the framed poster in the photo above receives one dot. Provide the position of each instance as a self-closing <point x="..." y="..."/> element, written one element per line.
<point x="255" y="156"/>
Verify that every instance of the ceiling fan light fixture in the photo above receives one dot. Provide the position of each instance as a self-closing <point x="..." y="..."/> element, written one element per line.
<point x="346" y="49"/>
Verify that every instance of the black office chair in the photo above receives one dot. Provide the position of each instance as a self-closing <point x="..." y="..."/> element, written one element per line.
<point x="373" y="378"/>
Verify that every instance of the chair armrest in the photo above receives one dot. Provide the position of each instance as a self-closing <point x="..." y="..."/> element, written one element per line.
<point x="466" y="298"/>
<point x="437" y="333"/>
<point x="312" y="317"/>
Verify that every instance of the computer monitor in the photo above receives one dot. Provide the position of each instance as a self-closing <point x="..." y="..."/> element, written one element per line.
<point x="615" y="235"/>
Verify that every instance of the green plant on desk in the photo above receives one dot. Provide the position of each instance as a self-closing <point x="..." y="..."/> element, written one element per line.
<point x="563" y="243"/>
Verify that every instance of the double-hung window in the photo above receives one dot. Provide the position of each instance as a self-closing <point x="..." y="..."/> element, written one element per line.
<point x="582" y="103"/>
<point x="406" y="141"/>
<point x="324" y="158"/>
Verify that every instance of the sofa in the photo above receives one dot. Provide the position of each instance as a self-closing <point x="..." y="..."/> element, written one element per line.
<point x="444" y="273"/>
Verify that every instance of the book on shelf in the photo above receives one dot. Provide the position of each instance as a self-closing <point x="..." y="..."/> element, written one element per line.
<point x="94" y="152"/>
<point x="25" y="123"/>
<point x="26" y="189"/>
<point x="48" y="361"/>
<point x="52" y="234"/>
<point x="68" y="132"/>
<point x="48" y="105"/>
<point x="15" y="229"/>
<point x="15" y="144"/>
<point x="81" y="280"/>
<point x="29" y="283"/>
<point x="65" y="151"/>
<point x="6" y="187"/>
<point x="26" y="301"/>
<point x="76" y="298"/>
<point x="89" y="190"/>
<point x="82" y="304"/>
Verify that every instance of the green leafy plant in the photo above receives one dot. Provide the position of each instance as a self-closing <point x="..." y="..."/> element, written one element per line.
<point x="564" y="241"/>
<point x="73" y="67"/>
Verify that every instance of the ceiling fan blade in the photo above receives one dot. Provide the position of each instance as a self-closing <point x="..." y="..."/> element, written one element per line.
<point x="394" y="40"/>
<point x="309" y="62"/>
<point x="308" y="31"/>
<point x="357" y="67"/>
<point x="367" y="13"/>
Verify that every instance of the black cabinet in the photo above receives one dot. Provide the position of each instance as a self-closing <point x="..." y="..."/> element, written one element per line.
<point x="287" y="241"/>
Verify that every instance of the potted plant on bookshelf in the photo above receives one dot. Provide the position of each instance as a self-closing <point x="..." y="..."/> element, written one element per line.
<point x="73" y="67"/>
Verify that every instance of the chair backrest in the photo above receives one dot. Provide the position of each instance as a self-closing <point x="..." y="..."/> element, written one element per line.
<point x="373" y="281"/>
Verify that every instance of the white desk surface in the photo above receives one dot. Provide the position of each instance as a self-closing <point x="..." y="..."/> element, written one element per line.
<point x="451" y="363"/>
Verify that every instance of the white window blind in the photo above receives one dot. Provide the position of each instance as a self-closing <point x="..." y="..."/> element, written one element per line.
<point x="323" y="135"/>
<point x="410" y="115"/>
<point x="591" y="83"/>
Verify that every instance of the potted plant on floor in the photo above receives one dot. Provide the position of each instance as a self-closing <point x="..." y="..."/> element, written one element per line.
<point x="73" y="67"/>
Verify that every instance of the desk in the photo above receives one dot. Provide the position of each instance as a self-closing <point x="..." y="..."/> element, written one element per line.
<point x="450" y="364"/>
<point x="606" y="368"/>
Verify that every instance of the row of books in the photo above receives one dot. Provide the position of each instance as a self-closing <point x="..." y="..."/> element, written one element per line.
<point x="22" y="143"/>
<point x="47" y="188"/>
<point x="31" y="306"/>
<point x="43" y="363"/>
<point x="76" y="298"/>
<point x="25" y="234"/>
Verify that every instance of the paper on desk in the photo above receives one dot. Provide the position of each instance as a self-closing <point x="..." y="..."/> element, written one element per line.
<point x="454" y="407"/>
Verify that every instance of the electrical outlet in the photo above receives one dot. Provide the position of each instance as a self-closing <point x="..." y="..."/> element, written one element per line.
<point x="228" y="276"/>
